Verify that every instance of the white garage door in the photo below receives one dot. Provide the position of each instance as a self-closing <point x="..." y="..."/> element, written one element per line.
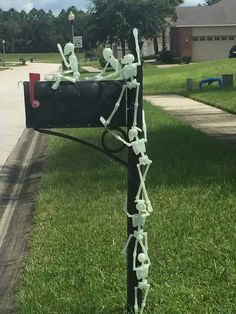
<point x="209" y="48"/>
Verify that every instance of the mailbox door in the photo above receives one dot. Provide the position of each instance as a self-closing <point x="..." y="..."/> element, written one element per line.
<point x="74" y="105"/>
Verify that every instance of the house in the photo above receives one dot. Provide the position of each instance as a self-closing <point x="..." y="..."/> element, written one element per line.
<point x="204" y="32"/>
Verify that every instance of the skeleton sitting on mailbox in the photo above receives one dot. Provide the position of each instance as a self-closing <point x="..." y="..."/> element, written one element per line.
<point x="128" y="74"/>
<point x="72" y="68"/>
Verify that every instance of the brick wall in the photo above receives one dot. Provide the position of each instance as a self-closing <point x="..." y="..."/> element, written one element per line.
<point x="181" y="41"/>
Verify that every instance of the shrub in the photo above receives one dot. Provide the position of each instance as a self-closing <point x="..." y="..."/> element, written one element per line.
<point x="156" y="57"/>
<point x="166" y="56"/>
<point x="176" y="60"/>
<point x="90" y="54"/>
<point x="186" y="59"/>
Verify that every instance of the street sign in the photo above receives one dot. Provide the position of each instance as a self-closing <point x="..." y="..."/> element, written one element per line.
<point x="78" y="41"/>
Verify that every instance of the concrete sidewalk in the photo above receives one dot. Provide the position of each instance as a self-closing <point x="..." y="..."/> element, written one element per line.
<point x="91" y="69"/>
<point x="210" y="120"/>
<point x="12" y="116"/>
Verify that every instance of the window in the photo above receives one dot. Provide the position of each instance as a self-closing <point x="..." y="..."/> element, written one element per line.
<point x="195" y="38"/>
<point x="217" y="38"/>
<point x="224" y="38"/>
<point x="209" y="38"/>
<point x="202" y="38"/>
<point x="231" y="38"/>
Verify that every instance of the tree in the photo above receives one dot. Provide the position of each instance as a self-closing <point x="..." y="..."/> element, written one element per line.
<point x="114" y="20"/>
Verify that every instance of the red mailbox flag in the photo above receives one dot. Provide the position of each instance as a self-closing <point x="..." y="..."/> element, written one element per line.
<point x="33" y="77"/>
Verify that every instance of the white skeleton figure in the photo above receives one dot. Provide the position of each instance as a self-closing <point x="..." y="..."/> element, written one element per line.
<point x="138" y="220"/>
<point x="128" y="73"/>
<point x="71" y="65"/>
<point x="139" y="147"/>
<point x="113" y="62"/>
<point x="142" y="274"/>
<point x="140" y="238"/>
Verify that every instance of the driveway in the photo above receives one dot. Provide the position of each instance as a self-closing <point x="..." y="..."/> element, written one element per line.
<point x="12" y="117"/>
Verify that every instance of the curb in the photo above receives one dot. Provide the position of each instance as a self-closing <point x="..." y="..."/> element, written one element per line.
<point x="19" y="180"/>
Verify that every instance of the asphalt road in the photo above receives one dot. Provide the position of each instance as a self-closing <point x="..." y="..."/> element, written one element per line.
<point x="12" y="117"/>
<point x="21" y="159"/>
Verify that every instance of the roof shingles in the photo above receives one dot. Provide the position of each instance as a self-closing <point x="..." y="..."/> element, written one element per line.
<point x="221" y="13"/>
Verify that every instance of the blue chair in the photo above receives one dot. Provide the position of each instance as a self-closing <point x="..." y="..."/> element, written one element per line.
<point x="209" y="81"/>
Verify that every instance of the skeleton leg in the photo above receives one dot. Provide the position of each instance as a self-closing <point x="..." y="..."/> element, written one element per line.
<point x="146" y="242"/>
<point x="135" y="254"/>
<point x="144" y="178"/>
<point x="136" y="104"/>
<point x="135" y="300"/>
<point x="143" y="304"/>
<point x="57" y="83"/>
<point x="124" y="251"/>
<point x="60" y="77"/>
<point x="143" y="188"/>
<point x="117" y="104"/>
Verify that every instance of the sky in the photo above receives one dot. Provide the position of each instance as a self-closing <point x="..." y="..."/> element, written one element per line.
<point x="57" y="5"/>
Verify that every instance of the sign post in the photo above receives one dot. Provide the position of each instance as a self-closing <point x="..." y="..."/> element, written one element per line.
<point x="78" y="41"/>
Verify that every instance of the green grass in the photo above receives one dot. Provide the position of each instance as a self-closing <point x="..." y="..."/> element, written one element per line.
<point x="173" y="80"/>
<point x="46" y="58"/>
<point x="74" y="263"/>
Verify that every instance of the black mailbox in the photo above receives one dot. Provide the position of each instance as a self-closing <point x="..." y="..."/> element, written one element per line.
<point x="74" y="105"/>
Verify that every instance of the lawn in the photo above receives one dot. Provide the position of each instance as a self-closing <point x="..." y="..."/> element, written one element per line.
<point x="173" y="80"/>
<point x="45" y="58"/>
<point x="74" y="263"/>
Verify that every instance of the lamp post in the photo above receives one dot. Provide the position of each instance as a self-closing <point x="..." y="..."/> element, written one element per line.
<point x="3" y="51"/>
<point x="71" y="18"/>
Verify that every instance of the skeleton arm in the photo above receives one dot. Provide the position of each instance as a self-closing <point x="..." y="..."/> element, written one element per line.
<point x="126" y="211"/>
<point x="135" y="33"/>
<point x="144" y="126"/>
<point x="100" y="77"/>
<point x="62" y="55"/>
<point x="121" y="139"/>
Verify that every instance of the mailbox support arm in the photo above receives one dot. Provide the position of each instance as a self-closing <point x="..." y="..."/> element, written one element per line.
<point x="78" y="140"/>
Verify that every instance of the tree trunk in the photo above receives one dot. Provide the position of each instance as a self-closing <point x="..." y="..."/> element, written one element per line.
<point x="155" y="43"/>
<point x="123" y="47"/>
<point x="163" y="35"/>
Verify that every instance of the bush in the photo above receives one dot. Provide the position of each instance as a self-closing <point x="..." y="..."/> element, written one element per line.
<point x="186" y="59"/>
<point x="156" y="57"/>
<point x="166" y="57"/>
<point x="176" y="60"/>
<point x="90" y="54"/>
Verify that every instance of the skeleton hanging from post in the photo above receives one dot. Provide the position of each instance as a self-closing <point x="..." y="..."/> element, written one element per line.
<point x="137" y="139"/>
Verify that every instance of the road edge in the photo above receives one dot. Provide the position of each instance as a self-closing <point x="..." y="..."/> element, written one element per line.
<point x="19" y="180"/>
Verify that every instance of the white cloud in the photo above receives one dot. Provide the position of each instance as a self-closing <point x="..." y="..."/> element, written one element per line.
<point x="28" y="6"/>
<point x="54" y="5"/>
<point x="18" y="5"/>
